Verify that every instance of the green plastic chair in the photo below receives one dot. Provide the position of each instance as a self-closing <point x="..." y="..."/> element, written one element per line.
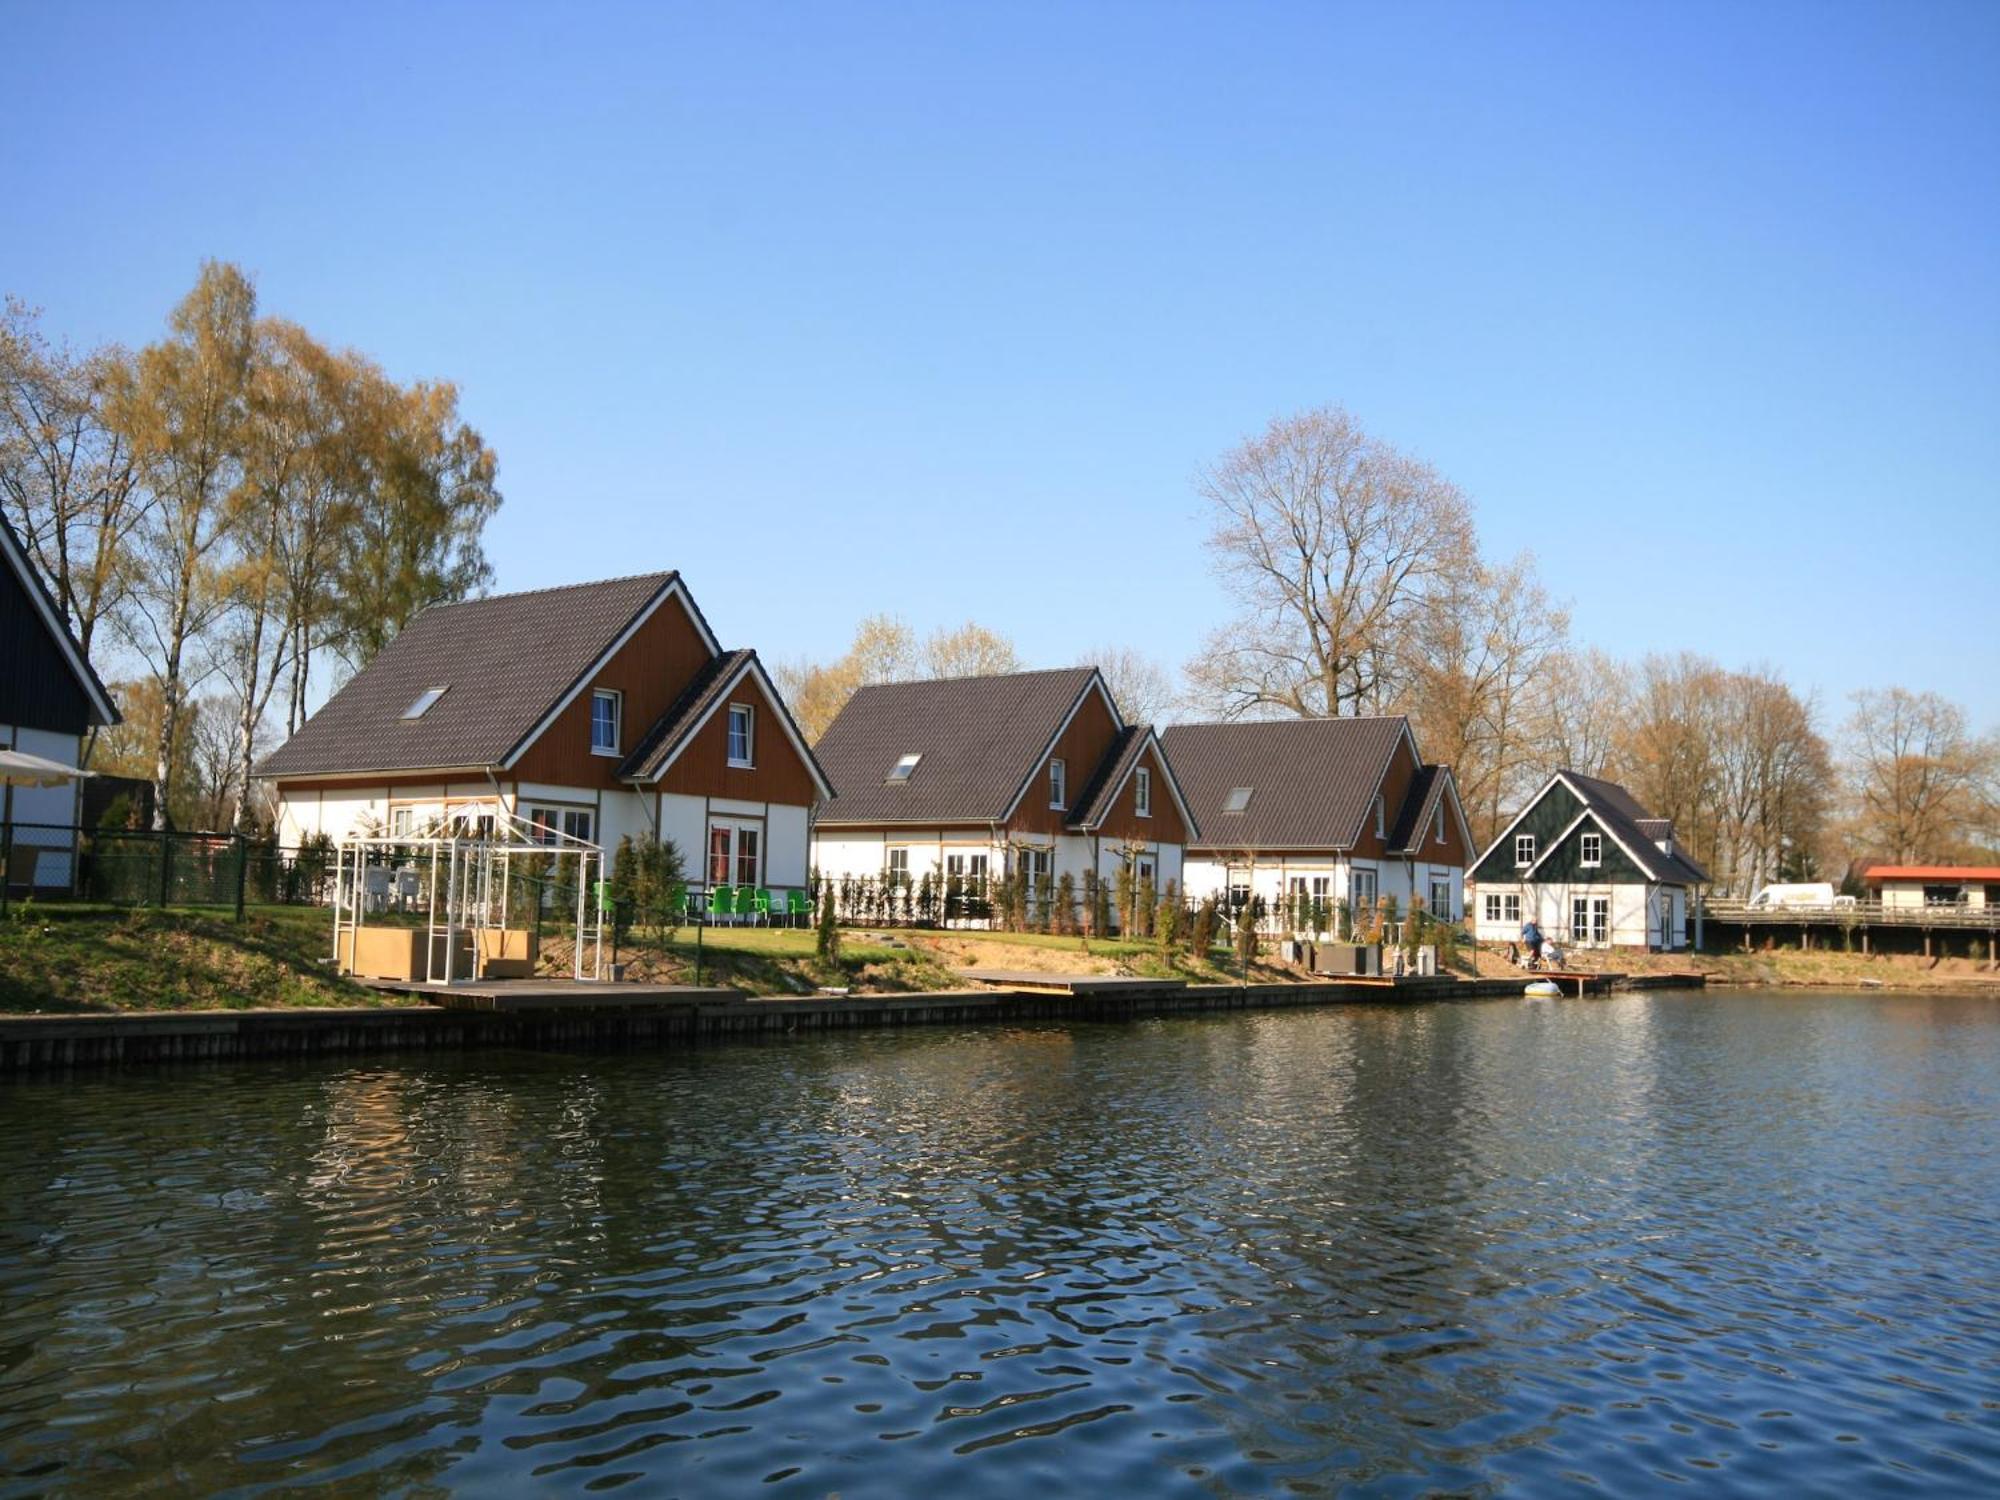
<point x="760" y="903"/>
<point x="796" y="905"/>
<point x="721" y="901"/>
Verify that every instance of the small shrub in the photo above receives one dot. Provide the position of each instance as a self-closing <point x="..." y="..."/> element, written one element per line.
<point x="826" y="940"/>
<point x="1201" y="929"/>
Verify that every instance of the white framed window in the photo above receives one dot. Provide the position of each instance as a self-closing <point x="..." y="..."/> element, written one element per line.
<point x="1511" y="907"/>
<point x="899" y="866"/>
<point x="605" y="711"/>
<point x="1142" y="792"/>
<point x="1440" y="823"/>
<point x="400" y="821"/>
<point x="1381" y="817"/>
<point x="1058" y="784"/>
<point x="742" y="734"/>
<point x="1237" y="800"/>
<point x="1321" y="886"/>
<point x="1441" y="898"/>
<point x="1034" y="863"/>
<point x="576" y="823"/>
<point x="544" y="821"/>
<point x="901" y="770"/>
<point x="965" y="866"/>
<point x="1492" y="903"/>
<point x="1524" y="850"/>
<point x="1143" y="869"/>
<point x="735" y="853"/>
<point x="424" y="701"/>
<point x="1590" y="850"/>
<point x="1362" y="884"/>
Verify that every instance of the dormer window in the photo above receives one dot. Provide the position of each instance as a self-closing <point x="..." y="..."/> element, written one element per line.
<point x="900" y="771"/>
<point x="742" y="724"/>
<point x="1142" y="792"/>
<point x="424" y="701"/>
<point x="1524" y="850"/>
<point x="1237" y="800"/>
<point x="1590" y="850"/>
<point x="604" y="716"/>
<point x="1058" y="785"/>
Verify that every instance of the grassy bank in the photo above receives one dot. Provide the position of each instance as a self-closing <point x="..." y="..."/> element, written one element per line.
<point x="76" y="957"/>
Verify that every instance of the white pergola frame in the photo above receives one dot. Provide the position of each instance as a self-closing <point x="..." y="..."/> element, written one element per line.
<point x="467" y="870"/>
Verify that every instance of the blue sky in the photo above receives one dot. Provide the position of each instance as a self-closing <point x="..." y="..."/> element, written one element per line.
<point x="938" y="309"/>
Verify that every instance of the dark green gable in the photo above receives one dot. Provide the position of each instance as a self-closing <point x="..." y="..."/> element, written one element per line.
<point x="1565" y="865"/>
<point x="1547" y="816"/>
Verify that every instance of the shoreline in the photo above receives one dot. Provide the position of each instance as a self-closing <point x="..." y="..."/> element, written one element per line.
<point x="41" y="1042"/>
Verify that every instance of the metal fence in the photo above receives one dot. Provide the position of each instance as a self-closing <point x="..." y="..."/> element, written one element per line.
<point x="145" y="867"/>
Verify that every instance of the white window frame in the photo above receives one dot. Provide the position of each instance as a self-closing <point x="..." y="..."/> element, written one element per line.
<point x="1238" y="799"/>
<point x="897" y="873"/>
<point x="1142" y="792"/>
<point x="904" y="768"/>
<point x="748" y="759"/>
<point x="402" y="822"/>
<point x="617" y="701"/>
<point x="1493" y="908"/>
<point x="1440" y="823"/>
<point x="1524" y="850"/>
<point x="1590" y="850"/>
<point x="1442" y="911"/>
<point x="1381" y="817"/>
<point x="1510" y="907"/>
<point x="1058" y="784"/>
<point x="425" y="701"/>
<point x="1355" y="879"/>
<point x="578" y="823"/>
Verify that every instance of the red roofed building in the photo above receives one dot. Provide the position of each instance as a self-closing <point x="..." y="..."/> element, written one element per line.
<point x="1975" y="887"/>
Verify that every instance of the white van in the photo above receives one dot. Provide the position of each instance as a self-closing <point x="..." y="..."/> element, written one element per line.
<point x="1816" y="895"/>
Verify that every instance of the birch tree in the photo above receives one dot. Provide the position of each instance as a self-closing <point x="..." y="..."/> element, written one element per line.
<point x="183" y="415"/>
<point x="66" y="474"/>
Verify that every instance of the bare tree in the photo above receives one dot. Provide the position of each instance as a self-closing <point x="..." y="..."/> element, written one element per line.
<point x="1332" y="543"/>
<point x="66" y="473"/>
<point x="1772" y="773"/>
<point x="1923" y="785"/>
<point x="1477" y="683"/>
<point x="1140" y="686"/>
<point x="971" y="650"/>
<point x="1585" y="711"/>
<point x="1667" y="757"/>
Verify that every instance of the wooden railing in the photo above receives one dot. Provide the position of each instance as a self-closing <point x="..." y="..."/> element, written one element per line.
<point x="1861" y="914"/>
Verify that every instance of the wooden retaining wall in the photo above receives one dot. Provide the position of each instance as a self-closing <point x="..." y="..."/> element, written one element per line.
<point x="31" y="1043"/>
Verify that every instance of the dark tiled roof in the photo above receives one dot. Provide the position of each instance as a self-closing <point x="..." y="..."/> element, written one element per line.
<point x="980" y="738"/>
<point x="1411" y="830"/>
<point x="1312" y="781"/>
<point x="658" y="744"/>
<point x="1625" y="820"/>
<point x="1094" y="804"/>
<point x="505" y="662"/>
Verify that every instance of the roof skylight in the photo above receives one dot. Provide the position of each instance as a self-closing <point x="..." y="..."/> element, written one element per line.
<point x="1237" y="800"/>
<point x="423" y="704"/>
<point x="900" y="772"/>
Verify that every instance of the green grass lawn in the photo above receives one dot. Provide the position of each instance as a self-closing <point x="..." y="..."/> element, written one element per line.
<point x="76" y="956"/>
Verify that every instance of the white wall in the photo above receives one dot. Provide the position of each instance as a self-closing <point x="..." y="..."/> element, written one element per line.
<point x="55" y="805"/>
<point x="1634" y="913"/>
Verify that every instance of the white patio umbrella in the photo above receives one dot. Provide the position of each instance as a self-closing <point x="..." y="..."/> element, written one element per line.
<point x="19" y="768"/>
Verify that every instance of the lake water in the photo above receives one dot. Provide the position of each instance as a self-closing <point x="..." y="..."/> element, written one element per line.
<point x="1660" y="1243"/>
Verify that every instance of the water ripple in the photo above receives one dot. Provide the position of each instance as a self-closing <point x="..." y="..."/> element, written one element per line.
<point x="1726" y="1243"/>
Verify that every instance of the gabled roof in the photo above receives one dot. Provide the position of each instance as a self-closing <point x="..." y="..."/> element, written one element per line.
<point x="1100" y="797"/>
<point x="102" y="709"/>
<point x="508" y="663"/>
<point x="670" y="733"/>
<point x="1619" y="814"/>
<point x="1431" y="788"/>
<point x="981" y="739"/>
<point x="1312" y="781"/>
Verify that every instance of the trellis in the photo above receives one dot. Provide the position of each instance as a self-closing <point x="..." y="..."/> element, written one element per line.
<point x="464" y="877"/>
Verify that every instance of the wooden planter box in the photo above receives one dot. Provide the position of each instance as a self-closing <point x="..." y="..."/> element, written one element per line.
<point x="508" y="953"/>
<point x="405" y="953"/>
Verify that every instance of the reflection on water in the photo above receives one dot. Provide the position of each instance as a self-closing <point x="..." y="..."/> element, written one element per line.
<point x="1745" y="1242"/>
